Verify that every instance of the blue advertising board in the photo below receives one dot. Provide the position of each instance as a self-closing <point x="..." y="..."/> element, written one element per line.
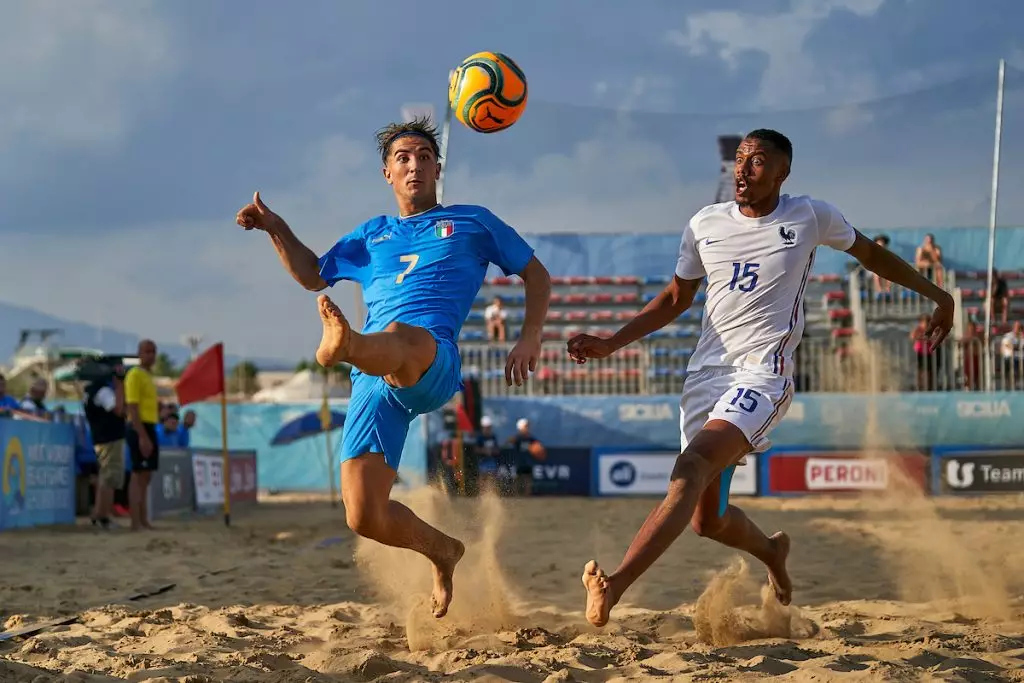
<point x="38" y="477"/>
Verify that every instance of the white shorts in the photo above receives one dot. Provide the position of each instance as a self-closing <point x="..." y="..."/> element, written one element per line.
<point x="754" y="402"/>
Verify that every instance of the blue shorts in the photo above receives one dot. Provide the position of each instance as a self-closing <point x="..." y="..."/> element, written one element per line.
<point x="379" y="415"/>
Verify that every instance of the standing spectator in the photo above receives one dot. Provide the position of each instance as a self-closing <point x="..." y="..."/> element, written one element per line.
<point x="488" y="453"/>
<point x="927" y="358"/>
<point x="971" y="345"/>
<point x="1012" y="351"/>
<point x="143" y="414"/>
<point x="7" y="403"/>
<point x="495" y="316"/>
<point x="527" y="450"/>
<point x="171" y="433"/>
<point x="999" y="297"/>
<point x="104" y="410"/>
<point x="882" y="286"/>
<point x="928" y="259"/>
<point x="34" y="402"/>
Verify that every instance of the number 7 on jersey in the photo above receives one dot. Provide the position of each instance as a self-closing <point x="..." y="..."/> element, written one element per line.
<point x="412" y="260"/>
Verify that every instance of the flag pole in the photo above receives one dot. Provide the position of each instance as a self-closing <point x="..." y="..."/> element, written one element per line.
<point x="225" y="457"/>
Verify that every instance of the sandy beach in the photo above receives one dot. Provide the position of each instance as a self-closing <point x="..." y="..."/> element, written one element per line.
<point x="906" y="590"/>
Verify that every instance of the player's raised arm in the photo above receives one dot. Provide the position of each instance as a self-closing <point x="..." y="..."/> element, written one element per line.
<point x="670" y="303"/>
<point x="889" y="266"/>
<point x="298" y="259"/>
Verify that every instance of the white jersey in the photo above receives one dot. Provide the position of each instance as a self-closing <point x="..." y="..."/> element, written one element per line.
<point x="757" y="270"/>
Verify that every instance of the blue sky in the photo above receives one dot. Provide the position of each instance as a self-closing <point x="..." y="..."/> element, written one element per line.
<point x="133" y="131"/>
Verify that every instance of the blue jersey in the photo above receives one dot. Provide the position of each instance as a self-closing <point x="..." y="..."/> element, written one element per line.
<point x="427" y="269"/>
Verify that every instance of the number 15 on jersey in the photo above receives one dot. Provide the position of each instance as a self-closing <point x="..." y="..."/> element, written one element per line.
<point x="744" y="276"/>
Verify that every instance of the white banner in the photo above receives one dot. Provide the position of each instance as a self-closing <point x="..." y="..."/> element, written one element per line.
<point x="639" y="474"/>
<point x="840" y="474"/>
<point x="208" y="471"/>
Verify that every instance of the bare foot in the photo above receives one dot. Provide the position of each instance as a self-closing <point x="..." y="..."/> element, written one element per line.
<point x="778" y="575"/>
<point x="336" y="333"/>
<point x="444" y="571"/>
<point x="599" y="598"/>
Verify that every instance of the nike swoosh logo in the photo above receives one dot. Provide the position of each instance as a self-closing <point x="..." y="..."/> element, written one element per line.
<point x="711" y="241"/>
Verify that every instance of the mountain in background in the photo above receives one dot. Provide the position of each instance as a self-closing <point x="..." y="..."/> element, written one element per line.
<point x="14" y="318"/>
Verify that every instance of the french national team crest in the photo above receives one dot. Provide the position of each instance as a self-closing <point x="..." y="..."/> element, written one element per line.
<point x="444" y="228"/>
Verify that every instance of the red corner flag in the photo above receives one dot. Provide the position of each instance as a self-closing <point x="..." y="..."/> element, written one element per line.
<point x="204" y="377"/>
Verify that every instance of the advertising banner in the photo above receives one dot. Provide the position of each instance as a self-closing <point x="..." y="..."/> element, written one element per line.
<point x="37" y="482"/>
<point x="565" y="472"/>
<point x="171" y="491"/>
<point x="625" y="473"/>
<point x="208" y="475"/>
<point x="789" y="472"/>
<point x="244" y="485"/>
<point x="973" y="470"/>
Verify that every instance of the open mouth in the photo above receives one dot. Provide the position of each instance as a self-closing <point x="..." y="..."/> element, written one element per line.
<point x="741" y="185"/>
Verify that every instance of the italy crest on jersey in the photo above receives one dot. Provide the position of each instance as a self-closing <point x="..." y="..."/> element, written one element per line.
<point x="445" y="228"/>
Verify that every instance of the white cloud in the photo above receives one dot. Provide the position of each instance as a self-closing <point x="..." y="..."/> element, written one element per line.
<point x="76" y="72"/>
<point x="793" y="78"/>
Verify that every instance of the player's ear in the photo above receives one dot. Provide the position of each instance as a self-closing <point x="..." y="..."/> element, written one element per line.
<point x="437" y="171"/>
<point x="387" y="174"/>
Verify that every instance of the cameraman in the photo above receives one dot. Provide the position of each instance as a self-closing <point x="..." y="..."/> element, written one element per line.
<point x="104" y="410"/>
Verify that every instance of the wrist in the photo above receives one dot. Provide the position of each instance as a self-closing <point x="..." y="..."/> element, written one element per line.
<point x="530" y="333"/>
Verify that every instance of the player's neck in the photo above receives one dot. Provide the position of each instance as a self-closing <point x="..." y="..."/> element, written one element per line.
<point x="760" y="209"/>
<point x="411" y="207"/>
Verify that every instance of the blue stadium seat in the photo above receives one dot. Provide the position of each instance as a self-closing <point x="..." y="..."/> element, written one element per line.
<point x="473" y="335"/>
<point x="475" y="316"/>
<point x="661" y="352"/>
<point x="681" y="353"/>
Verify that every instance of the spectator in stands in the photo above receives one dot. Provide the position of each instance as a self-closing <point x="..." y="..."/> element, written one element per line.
<point x="1000" y="297"/>
<point x="495" y="316"/>
<point x="927" y="357"/>
<point x="971" y="345"/>
<point x="882" y="286"/>
<point x="1012" y="351"/>
<point x="527" y="450"/>
<point x="171" y="433"/>
<point x="143" y="412"/>
<point x="928" y="259"/>
<point x="7" y="403"/>
<point x="35" y="401"/>
<point x="488" y="452"/>
<point x="105" y="412"/>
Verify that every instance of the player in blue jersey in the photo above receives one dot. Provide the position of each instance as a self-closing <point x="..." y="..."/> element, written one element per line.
<point x="420" y="272"/>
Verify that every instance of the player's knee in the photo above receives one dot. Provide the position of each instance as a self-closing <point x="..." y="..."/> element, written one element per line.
<point x="690" y="470"/>
<point x="363" y="520"/>
<point x="707" y="525"/>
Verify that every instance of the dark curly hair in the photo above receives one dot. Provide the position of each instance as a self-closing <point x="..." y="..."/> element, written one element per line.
<point x="422" y="126"/>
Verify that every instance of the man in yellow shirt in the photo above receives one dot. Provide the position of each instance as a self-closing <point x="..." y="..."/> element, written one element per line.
<point x="143" y="414"/>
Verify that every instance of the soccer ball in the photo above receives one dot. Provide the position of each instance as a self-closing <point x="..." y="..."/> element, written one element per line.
<point x="487" y="92"/>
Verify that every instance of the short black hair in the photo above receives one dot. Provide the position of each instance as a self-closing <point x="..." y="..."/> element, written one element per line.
<point x="421" y="126"/>
<point x="774" y="138"/>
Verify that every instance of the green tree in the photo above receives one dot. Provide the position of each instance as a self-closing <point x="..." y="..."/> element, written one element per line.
<point x="243" y="379"/>
<point x="164" y="366"/>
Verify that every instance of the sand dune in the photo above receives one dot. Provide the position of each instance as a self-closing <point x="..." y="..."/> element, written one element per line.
<point x="908" y="591"/>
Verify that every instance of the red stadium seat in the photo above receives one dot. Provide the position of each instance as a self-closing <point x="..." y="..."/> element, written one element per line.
<point x="601" y="315"/>
<point x="575" y="298"/>
<point x="559" y="280"/>
<point x="580" y="280"/>
<point x="839" y="313"/>
<point x="626" y="298"/>
<point x="843" y="332"/>
<point x="501" y="281"/>
<point x="602" y="280"/>
<point x="1017" y="292"/>
<point x="624" y="315"/>
<point x="554" y="315"/>
<point x="576" y="316"/>
<point x="626" y="280"/>
<point x="602" y="298"/>
<point x="835" y="295"/>
<point x="555" y="299"/>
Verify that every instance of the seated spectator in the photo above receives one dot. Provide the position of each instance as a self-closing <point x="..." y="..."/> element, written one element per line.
<point x="928" y="260"/>
<point x="882" y="286"/>
<point x="999" y="297"/>
<point x="1012" y="351"/>
<point x="7" y="403"/>
<point x="495" y="316"/>
<point x="35" y="401"/>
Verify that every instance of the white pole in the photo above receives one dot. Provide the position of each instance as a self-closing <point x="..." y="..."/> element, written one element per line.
<point x="992" y="226"/>
<point x="445" y="130"/>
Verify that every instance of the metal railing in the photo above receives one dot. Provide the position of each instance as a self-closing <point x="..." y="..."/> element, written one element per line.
<point x="821" y="365"/>
<point x="883" y="300"/>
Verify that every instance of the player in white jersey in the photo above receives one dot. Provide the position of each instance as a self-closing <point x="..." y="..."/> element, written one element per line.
<point x="756" y="253"/>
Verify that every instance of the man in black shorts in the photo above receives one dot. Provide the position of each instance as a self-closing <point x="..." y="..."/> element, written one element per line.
<point x="143" y="415"/>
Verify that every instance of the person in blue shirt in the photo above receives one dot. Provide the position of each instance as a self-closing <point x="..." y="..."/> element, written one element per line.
<point x="420" y="272"/>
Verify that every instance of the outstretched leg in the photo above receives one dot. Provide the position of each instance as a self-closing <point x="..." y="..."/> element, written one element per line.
<point x="366" y="484"/>
<point x="734" y="529"/>
<point x="717" y="446"/>
<point x="400" y="353"/>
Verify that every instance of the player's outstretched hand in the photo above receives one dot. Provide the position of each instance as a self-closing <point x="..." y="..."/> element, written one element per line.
<point x="523" y="356"/>
<point x="584" y="346"/>
<point x="257" y="215"/>
<point x="940" y="324"/>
